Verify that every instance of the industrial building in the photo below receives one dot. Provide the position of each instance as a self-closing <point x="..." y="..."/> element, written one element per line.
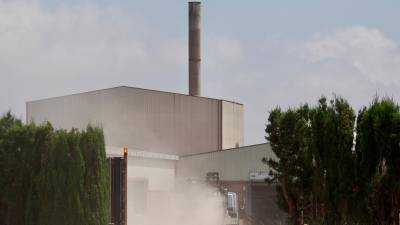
<point x="171" y="137"/>
<point x="147" y="120"/>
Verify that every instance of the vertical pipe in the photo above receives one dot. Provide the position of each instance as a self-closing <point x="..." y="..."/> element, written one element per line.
<point x="124" y="174"/>
<point x="194" y="48"/>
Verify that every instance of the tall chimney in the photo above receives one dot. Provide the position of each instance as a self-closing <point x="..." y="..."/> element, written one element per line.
<point x="194" y="48"/>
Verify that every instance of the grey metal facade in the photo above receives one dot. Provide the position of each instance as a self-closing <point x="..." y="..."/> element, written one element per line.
<point x="231" y="164"/>
<point x="147" y="120"/>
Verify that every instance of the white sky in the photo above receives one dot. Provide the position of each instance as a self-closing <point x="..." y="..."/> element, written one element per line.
<point x="262" y="54"/>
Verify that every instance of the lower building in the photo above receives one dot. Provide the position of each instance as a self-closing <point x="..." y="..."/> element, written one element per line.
<point x="242" y="171"/>
<point x="152" y="177"/>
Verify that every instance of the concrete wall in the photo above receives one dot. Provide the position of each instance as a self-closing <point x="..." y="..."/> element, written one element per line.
<point x="146" y="120"/>
<point x="232" y="164"/>
<point x="147" y="179"/>
<point x="232" y="125"/>
<point x="159" y="173"/>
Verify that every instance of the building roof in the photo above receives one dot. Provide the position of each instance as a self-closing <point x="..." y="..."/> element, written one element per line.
<point x="147" y="120"/>
<point x="144" y="89"/>
<point x="245" y="147"/>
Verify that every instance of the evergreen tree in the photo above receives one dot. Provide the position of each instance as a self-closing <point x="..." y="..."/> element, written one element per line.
<point x="42" y="139"/>
<point x="52" y="176"/>
<point x="75" y="178"/>
<point x="288" y="134"/>
<point x="319" y="167"/>
<point x="315" y="166"/>
<point x="95" y="178"/>
<point x="378" y="150"/>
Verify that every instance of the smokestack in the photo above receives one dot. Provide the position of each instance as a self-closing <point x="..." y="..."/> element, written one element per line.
<point x="194" y="48"/>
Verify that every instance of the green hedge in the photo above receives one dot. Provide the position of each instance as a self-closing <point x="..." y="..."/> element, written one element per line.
<point x="50" y="176"/>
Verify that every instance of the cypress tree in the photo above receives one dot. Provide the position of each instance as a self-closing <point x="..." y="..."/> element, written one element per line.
<point x="95" y="196"/>
<point x="52" y="176"/>
<point x="74" y="180"/>
<point x="15" y="145"/>
<point x="46" y="186"/>
<point x="288" y="134"/>
<point x="42" y="139"/>
<point x="315" y="166"/>
<point x="378" y="148"/>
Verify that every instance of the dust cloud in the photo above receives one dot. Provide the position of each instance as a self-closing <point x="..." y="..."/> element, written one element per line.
<point x="189" y="204"/>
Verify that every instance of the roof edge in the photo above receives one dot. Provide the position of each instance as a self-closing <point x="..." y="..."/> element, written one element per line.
<point x="123" y="86"/>
<point x="222" y="150"/>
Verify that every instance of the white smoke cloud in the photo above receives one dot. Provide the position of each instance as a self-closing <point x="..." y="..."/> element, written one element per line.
<point x="188" y="205"/>
<point x="72" y="48"/>
<point x="365" y="49"/>
<point x="356" y="63"/>
<point x="223" y="52"/>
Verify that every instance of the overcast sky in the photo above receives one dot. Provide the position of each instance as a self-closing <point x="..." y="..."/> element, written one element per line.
<point x="261" y="53"/>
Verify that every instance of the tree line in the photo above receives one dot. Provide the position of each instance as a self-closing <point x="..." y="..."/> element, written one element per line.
<point x="334" y="166"/>
<point x="50" y="176"/>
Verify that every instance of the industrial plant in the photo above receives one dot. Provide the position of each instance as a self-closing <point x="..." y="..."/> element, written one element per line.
<point x="157" y="141"/>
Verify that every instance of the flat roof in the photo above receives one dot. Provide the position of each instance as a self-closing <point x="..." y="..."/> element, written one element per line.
<point x="105" y="89"/>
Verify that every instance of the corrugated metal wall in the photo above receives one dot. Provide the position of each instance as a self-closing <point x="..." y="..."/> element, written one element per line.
<point x="232" y="165"/>
<point x="140" y="119"/>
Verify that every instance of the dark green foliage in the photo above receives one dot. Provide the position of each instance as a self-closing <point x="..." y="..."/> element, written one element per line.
<point x="332" y="141"/>
<point x="52" y="176"/>
<point x="378" y="153"/>
<point x="288" y="134"/>
<point x="323" y="177"/>
<point x="95" y="177"/>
